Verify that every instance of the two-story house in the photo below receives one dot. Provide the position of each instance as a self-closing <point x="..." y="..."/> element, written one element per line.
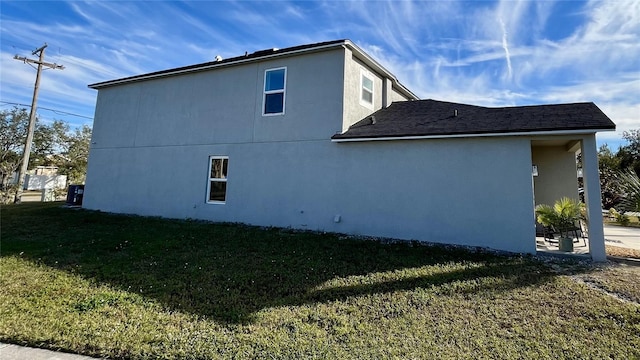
<point x="323" y="137"/>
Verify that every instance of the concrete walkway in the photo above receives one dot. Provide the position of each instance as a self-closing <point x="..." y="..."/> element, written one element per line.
<point x="15" y="352"/>
<point x="627" y="237"/>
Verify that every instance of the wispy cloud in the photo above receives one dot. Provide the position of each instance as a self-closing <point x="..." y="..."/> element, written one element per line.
<point x="597" y="61"/>
<point x="492" y="53"/>
<point x="505" y="46"/>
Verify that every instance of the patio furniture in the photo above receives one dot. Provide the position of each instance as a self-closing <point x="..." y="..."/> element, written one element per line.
<point x="549" y="233"/>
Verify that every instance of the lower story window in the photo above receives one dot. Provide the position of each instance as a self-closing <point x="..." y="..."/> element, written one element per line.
<point x="217" y="185"/>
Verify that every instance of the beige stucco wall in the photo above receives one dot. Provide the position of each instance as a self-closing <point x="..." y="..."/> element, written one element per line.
<point x="473" y="191"/>
<point x="397" y="96"/>
<point x="153" y="140"/>
<point x="557" y="174"/>
<point x="224" y="105"/>
<point x="385" y="90"/>
<point x="353" y="110"/>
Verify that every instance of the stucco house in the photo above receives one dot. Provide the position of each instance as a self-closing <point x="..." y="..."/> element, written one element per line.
<point x="323" y="137"/>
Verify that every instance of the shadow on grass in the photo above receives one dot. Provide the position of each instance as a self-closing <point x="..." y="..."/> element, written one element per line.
<point x="229" y="272"/>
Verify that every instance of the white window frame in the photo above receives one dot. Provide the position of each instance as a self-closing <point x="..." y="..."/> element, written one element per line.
<point x="212" y="179"/>
<point x="367" y="74"/>
<point x="266" y="92"/>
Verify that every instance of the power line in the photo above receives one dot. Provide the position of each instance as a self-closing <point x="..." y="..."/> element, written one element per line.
<point x="49" y="109"/>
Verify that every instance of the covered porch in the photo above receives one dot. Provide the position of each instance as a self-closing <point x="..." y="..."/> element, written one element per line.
<point x="555" y="174"/>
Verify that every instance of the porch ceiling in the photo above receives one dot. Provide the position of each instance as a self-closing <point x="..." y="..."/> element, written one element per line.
<point x="554" y="142"/>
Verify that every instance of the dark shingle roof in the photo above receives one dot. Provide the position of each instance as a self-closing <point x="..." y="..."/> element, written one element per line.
<point x="438" y="118"/>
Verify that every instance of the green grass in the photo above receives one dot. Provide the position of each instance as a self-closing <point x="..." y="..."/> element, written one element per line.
<point x="135" y="287"/>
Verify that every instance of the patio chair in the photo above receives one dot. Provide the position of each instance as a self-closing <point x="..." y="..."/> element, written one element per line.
<point x="583" y="231"/>
<point x="550" y="233"/>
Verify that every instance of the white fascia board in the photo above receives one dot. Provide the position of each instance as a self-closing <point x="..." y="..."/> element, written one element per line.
<point x="425" y="137"/>
<point x="374" y="64"/>
<point x="210" y="66"/>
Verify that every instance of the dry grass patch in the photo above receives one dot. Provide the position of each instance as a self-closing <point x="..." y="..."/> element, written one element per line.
<point x="622" y="252"/>
<point x="618" y="280"/>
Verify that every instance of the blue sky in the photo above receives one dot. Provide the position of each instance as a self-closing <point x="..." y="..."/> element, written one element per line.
<point x="490" y="53"/>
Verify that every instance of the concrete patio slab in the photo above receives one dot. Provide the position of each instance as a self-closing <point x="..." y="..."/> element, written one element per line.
<point x="16" y="352"/>
<point x="626" y="237"/>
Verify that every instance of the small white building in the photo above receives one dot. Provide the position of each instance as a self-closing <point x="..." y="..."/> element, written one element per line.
<point x="322" y="137"/>
<point x="44" y="178"/>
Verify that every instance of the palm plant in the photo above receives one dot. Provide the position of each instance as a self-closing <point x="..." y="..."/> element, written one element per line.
<point x="630" y="185"/>
<point x="562" y="216"/>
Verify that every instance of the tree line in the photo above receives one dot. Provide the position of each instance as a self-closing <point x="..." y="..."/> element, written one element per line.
<point x="619" y="174"/>
<point x="55" y="144"/>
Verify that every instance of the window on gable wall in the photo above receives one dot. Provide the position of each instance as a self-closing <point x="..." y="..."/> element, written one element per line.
<point x="275" y="83"/>
<point x="366" y="86"/>
<point x="217" y="187"/>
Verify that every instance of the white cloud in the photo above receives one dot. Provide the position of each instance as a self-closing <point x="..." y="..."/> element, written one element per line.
<point x="505" y="46"/>
<point x="598" y="62"/>
<point x="485" y="53"/>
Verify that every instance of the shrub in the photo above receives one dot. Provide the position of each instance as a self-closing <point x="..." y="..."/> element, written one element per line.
<point x="8" y="193"/>
<point x="630" y="184"/>
<point x="562" y="215"/>
<point x="621" y="219"/>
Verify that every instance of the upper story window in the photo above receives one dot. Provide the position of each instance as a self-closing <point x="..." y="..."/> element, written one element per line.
<point x="217" y="187"/>
<point x="275" y="83"/>
<point x="366" y="86"/>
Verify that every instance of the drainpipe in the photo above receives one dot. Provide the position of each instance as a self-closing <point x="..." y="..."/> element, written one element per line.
<point x="386" y="92"/>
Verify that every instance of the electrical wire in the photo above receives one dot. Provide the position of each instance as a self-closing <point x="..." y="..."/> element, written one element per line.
<point x="60" y="112"/>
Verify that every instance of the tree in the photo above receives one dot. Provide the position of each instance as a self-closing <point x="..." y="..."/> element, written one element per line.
<point x="53" y="145"/>
<point x="73" y="160"/>
<point x="13" y="132"/>
<point x="629" y="154"/>
<point x="609" y="166"/>
<point x="48" y="142"/>
<point x="630" y="185"/>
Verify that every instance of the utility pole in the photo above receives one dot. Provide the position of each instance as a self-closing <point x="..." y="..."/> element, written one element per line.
<point x="32" y="115"/>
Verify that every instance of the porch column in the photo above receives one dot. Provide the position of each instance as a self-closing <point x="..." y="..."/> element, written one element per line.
<point x="593" y="198"/>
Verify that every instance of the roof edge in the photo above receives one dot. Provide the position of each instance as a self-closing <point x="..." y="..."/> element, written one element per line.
<point x="470" y="135"/>
<point x="300" y="49"/>
<point x="213" y="64"/>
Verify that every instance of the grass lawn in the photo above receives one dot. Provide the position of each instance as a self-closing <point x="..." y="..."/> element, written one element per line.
<point x="134" y="287"/>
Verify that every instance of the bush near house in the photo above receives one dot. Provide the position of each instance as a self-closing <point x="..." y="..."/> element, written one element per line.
<point x="135" y="287"/>
<point x="619" y="173"/>
<point x="621" y="219"/>
<point x="631" y="219"/>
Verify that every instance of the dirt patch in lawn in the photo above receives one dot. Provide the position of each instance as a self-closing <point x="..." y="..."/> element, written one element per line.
<point x="622" y="252"/>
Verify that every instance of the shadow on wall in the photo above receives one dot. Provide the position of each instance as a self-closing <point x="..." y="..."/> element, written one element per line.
<point x="229" y="272"/>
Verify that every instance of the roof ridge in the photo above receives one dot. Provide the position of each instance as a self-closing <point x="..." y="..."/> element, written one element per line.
<point x="258" y="54"/>
<point x="508" y="107"/>
<point x="434" y="118"/>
